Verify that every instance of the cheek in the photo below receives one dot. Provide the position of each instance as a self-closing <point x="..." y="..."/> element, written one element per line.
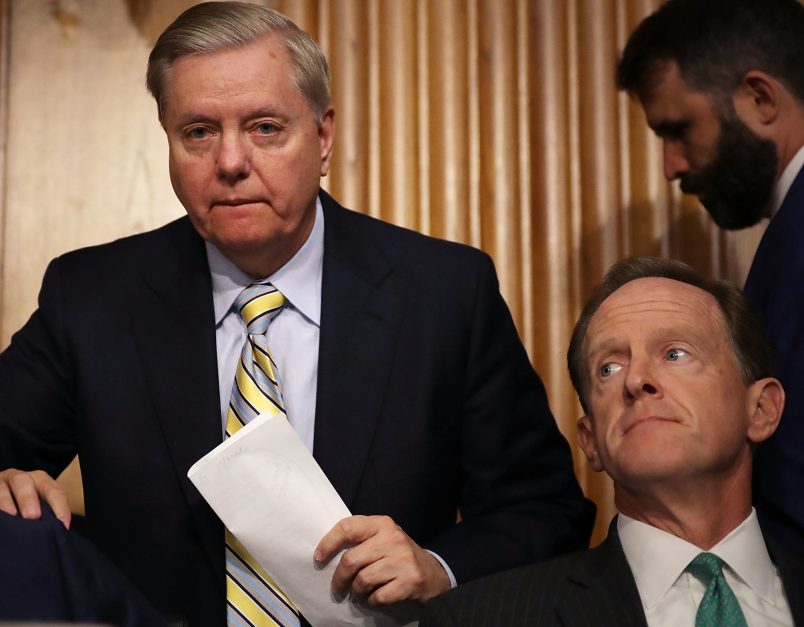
<point x="188" y="178"/>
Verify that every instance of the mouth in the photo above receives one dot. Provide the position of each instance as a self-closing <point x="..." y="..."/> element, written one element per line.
<point x="236" y="202"/>
<point x="644" y="420"/>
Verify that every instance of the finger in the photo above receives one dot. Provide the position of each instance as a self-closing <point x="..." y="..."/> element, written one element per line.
<point x="23" y="490"/>
<point x="7" y="504"/>
<point x="347" y="532"/>
<point x="352" y="562"/>
<point x="371" y="577"/>
<point x="412" y="573"/>
<point x="392" y="592"/>
<point x="54" y="495"/>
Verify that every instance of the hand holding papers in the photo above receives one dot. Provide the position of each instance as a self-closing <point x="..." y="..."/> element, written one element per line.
<point x="270" y="493"/>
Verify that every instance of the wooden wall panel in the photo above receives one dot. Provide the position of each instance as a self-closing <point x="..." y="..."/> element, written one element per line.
<point x="490" y="123"/>
<point x="86" y="156"/>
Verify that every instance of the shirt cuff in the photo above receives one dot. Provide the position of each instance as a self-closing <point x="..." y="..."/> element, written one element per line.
<point x="452" y="580"/>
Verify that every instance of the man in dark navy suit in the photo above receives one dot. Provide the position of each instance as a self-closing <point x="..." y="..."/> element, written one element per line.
<point x="673" y="372"/>
<point x="722" y="85"/>
<point x="400" y="366"/>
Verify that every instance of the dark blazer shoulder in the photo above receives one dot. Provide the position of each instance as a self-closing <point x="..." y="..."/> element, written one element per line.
<point x="162" y="249"/>
<point x="592" y="587"/>
<point x="346" y="230"/>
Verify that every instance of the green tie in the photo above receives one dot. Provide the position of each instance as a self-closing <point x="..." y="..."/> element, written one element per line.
<point x="252" y="597"/>
<point x="719" y="606"/>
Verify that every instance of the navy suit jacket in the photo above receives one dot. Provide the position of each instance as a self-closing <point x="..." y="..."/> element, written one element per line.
<point x="50" y="574"/>
<point x="591" y="588"/>
<point x="426" y="404"/>
<point x="775" y="287"/>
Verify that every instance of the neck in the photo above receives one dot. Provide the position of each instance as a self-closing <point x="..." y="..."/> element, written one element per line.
<point x="700" y="511"/>
<point x="259" y="267"/>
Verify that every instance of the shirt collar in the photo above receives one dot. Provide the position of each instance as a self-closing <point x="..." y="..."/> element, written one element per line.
<point x="786" y="180"/>
<point x="645" y="547"/>
<point x="299" y="279"/>
<point x="745" y="552"/>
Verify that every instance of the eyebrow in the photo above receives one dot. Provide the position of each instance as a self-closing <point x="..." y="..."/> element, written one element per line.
<point x="609" y="345"/>
<point x="670" y="128"/>
<point x="683" y="333"/>
<point x="192" y="117"/>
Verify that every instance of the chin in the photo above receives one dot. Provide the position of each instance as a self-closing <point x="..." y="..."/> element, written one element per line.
<point x="245" y="243"/>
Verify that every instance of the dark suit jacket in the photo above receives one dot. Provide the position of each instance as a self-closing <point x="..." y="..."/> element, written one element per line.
<point x="591" y="588"/>
<point x="50" y="574"/>
<point x="775" y="287"/>
<point x="426" y="403"/>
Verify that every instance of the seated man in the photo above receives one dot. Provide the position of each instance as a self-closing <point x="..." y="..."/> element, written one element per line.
<point x="672" y="371"/>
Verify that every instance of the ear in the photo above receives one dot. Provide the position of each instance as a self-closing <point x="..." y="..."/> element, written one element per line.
<point x="765" y="405"/>
<point x="757" y="98"/>
<point x="326" y="139"/>
<point x="586" y="438"/>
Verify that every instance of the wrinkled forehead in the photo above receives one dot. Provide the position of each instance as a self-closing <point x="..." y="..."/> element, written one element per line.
<point x="269" y="49"/>
<point x="656" y="303"/>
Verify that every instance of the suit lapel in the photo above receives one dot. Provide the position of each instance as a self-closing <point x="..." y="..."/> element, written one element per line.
<point x="791" y="570"/>
<point x="360" y="318"/>
<point x="602" y="589"/>
<point x="174" y="329"/>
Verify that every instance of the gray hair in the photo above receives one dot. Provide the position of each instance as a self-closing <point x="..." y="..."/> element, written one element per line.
<point x="213" y="26"/>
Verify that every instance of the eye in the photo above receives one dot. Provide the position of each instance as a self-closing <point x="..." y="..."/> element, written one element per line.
<point x="198" y="132"/>
<point x="674" y="354"/>
<point x="266" y="128"/>
<point x="606" y="370"/>
<point x="673" y="131"/>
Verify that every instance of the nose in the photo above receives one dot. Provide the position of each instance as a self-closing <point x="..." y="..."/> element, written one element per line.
<point x="675" y="163"/>
<point x="233" y="162"/>
<point x="640" y="380"/>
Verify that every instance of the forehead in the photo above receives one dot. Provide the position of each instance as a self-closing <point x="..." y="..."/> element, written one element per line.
<point x="262" y="64"/>
<point x="668" y="98"/>
<point x="654" y="304"/>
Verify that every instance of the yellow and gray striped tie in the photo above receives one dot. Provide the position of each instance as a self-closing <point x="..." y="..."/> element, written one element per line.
<point x="252" y="597"/>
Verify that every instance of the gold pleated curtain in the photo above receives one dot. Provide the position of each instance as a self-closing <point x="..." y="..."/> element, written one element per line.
<point x="490" y="122"/>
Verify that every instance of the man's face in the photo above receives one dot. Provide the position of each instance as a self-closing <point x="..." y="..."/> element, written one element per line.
<point x="666" y="398"/>
<point x="716" y="157"/>
<point x="246" y="152"/>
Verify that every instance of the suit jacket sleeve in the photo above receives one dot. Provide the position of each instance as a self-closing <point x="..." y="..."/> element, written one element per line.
<point x="520" y="501"/>
<point x="37" y="404"/>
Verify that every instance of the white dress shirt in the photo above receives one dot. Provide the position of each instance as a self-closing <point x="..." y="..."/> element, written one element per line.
<point x="292" y="335"/>
<point x="785" y="181"/>
<point x="670" y="596"/>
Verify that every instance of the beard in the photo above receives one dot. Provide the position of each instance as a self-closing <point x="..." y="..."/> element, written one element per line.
<point x="736" y="188"/>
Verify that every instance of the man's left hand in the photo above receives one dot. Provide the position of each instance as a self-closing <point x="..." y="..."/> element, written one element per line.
<point x="381" y="562"/>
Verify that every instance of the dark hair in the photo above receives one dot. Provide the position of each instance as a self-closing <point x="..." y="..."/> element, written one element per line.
<point x="715" y="42"/>
<point x="746" y="333"/>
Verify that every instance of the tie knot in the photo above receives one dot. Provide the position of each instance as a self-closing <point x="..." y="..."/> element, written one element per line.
<point x="705" y="567"/>
<point x="257" y="305"/>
